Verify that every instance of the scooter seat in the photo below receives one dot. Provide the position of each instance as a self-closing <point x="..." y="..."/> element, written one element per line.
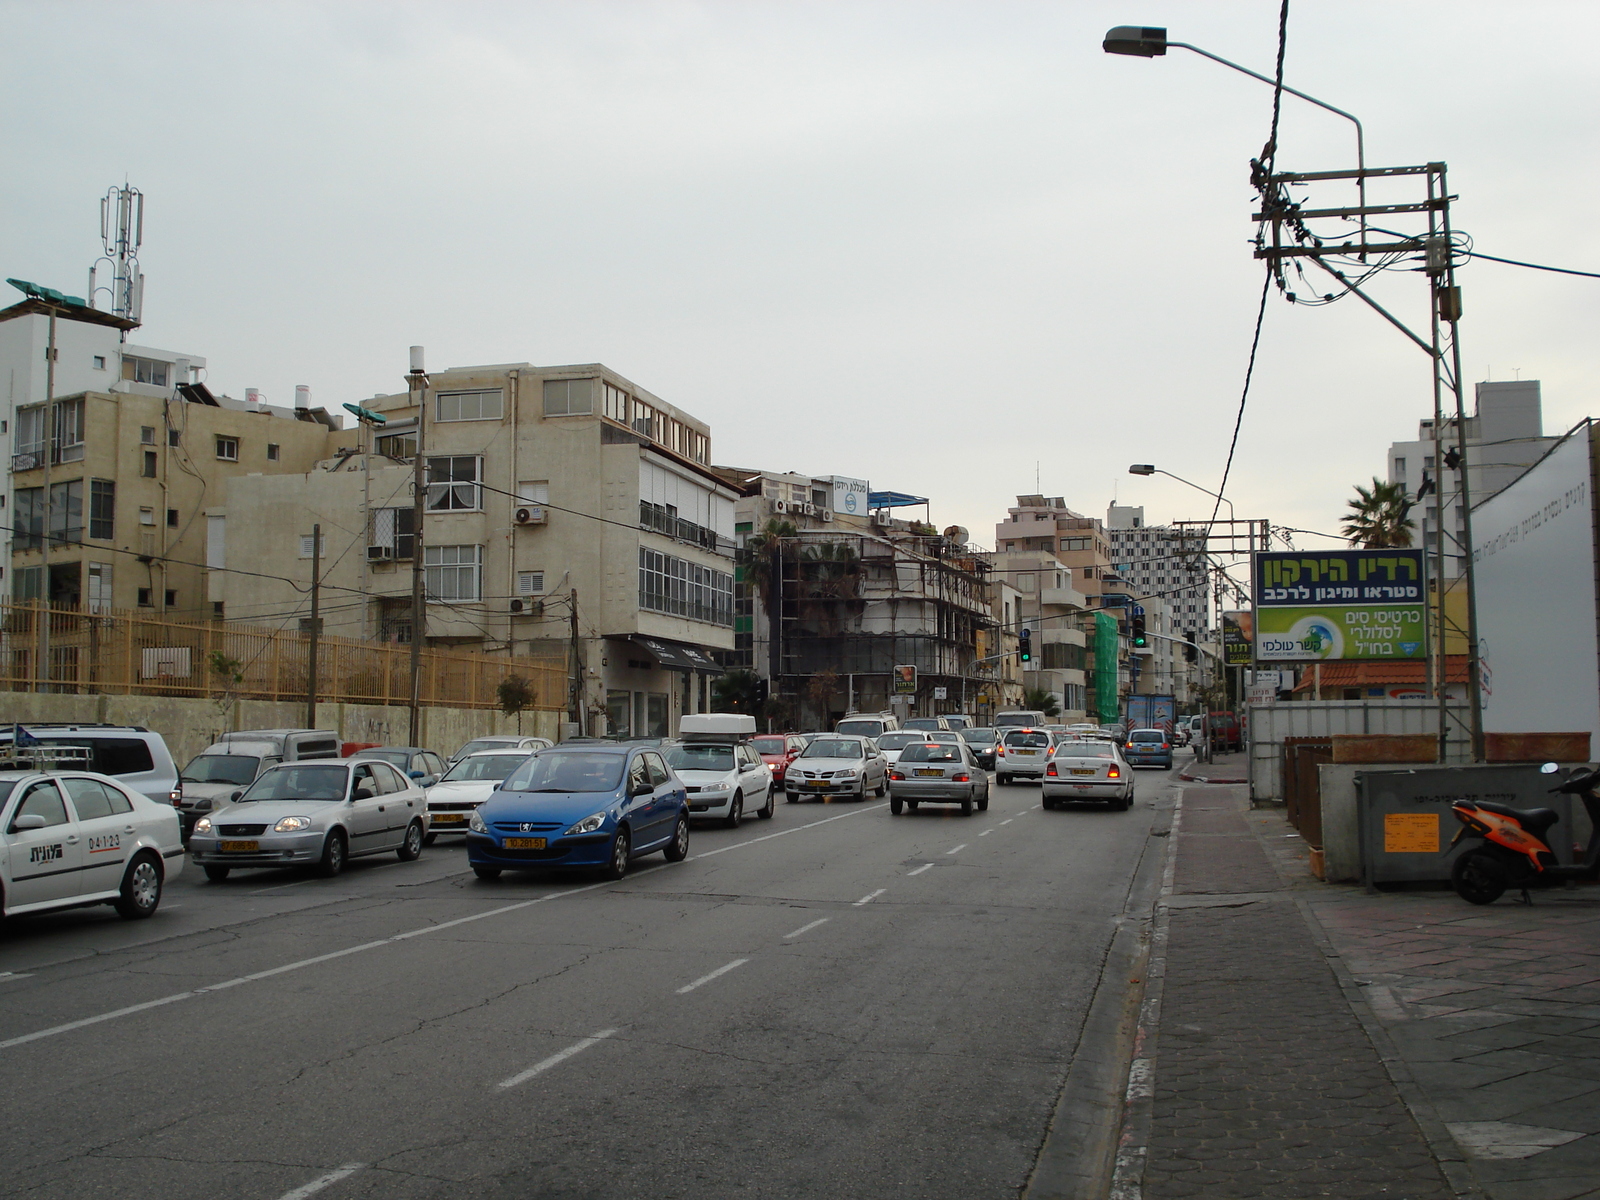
<point x="1535" y="820"/>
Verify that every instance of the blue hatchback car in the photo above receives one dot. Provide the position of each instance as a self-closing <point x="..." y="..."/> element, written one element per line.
<point x="587" y="805"/>
<point x="1148" y="748"/>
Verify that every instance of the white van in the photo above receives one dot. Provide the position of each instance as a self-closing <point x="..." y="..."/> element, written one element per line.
<point x="1027" y="717"/>
<point x="868" y="724"/>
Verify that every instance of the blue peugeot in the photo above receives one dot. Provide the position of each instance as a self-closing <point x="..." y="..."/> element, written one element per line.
<point x="588" y="805"/>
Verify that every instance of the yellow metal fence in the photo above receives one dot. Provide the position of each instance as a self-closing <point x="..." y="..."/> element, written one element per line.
<point x="131" y="653"/>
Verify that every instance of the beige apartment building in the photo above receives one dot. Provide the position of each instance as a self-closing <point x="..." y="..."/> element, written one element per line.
<point x="569" y="514"/>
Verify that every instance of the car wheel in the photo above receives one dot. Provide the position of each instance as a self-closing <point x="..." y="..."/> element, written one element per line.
<point x="735" y="811"/>
<point x="678" y="848"/>
<point x="333" y="855"/>
<point x="430" y="839"/>
<point x="617" y="867"/>
<point x="486" y="872"/>
<point x="1002" y="779"/>
<point x="861" y="796"/>
<point x="141" y="888"/>
<point x="966" y="807"/>
<point x="983" y="804"/>
<point x="1047" y="802"/>
<point x="216" y="874"/>
<point x="911" y="806"/>
<point x="791" y="797"/>
<point x="411" y="849"/>
<point x="895" y="806"/>
<point x="766" y="810"/>
<point x="881" y="790"/>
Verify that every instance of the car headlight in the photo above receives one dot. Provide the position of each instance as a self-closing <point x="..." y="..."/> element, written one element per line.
<point x="475" y="822"/>
<point x="588" y="825"/>
<point x="292" y="825"/>
<point x="845" y="774"/>
<point x="203" y="825"/>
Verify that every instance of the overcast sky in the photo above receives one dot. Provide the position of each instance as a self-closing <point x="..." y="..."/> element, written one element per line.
<point x="926" y="244"/>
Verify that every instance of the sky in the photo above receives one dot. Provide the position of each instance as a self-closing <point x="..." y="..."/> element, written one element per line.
<point x="951" y="248"/>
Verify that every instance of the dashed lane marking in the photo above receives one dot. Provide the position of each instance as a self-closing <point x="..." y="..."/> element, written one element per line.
<point x="957" y="849"/>
<point x="869" y="897"/>
<point x="1008" y="820"/>
<point x="321" y="1181"/>
<point x="919" y="870"/>
<point x="786" y="832"/>
<point x="810" y="927"/>
<point x="561" y="1056"/>
<point x="722" y="970"/>
<point x="986" y="833"/>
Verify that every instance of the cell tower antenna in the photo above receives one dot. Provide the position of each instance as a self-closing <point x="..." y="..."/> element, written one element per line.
<point x="121" y="233"/>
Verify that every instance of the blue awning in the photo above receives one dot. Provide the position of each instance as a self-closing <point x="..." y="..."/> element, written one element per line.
<point x="893" y="500"/>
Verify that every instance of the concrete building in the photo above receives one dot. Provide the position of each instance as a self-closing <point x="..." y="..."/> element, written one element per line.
<point x="1505" y="436"/>
<point x="1153" y="560"/>
<point x="569" y="514"/>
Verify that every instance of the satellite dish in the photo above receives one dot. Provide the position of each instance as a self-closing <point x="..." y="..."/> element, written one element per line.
<point x="957" y="534"/>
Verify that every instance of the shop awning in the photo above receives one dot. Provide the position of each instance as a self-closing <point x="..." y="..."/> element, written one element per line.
<point x="677" y="656"/>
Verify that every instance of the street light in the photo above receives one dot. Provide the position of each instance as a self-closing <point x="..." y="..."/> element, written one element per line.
<point x="1152" y="469"/>
<point x="1142" y="41"/>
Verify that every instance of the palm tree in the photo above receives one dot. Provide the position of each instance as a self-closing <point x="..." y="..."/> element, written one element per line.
<point x="763" y="573"/>
<point x="1042" y="701"/>
<point x="1378" y="517"/>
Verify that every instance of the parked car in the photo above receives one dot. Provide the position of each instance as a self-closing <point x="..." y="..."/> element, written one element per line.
<point x="507" y="741"/>
<point x="130" y="754"/>
<point x="837" y="766"/>
<point x="465" y="786"/>
<point x="424" y="766"/>
<point x="584" y="806"/>
<point x="1148" y="748"/>
<point x="75" y="838"/>
<point x="317" y="814"/>
<point x="1022" y="753"/>
<point x="982" y="740"/>
<point x="724" y="780"/>
<point x="1088" y="770"/>
<point x="938" y="773"/>
<point x="778" y="750"/>
<point x="235" y="759"/>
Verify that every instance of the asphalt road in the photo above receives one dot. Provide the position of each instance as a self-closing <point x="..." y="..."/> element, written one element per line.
<point x="835" y="1002"/>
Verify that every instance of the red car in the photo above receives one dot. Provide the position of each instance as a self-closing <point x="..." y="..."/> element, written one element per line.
<point x="778" y="750"/>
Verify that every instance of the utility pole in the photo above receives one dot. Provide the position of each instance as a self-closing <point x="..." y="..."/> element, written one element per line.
<point x="316" y="627"/>
<point x="417" y="382"/>
<point x="43" y="673"/>
<point x="575" y="688"/>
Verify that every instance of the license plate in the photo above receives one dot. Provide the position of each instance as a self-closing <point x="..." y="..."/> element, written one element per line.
<point x="1028" y="753"/>
<point x="939" y="774"/>
<point x="524" y="843"/>
<point x="449" y="818"/>
<point x="241" y="847"/>
<point x="817" y="783"/>
<point x="1083" y="770"/>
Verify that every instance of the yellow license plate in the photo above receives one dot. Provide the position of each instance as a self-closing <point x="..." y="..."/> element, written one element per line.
<point x="241" y="847"/>
<point x="1083" y="770"/>
<point x="449" y="818"/>
<point x="1028" y="753"/>
<point x="940" y="774"/>
<point x="523" y="843"/>
<point x="817" y="783"/>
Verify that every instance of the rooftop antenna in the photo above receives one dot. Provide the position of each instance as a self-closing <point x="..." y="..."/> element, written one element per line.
<point x="121" y="233"/>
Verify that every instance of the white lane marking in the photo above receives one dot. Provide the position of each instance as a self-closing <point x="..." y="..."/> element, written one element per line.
<point x="14" y="975"/>
<point x="321" y="1181"/>
<point x="577" y="1047"/>
<point x="722" y="970"/>
<point x="869" y="898"/>
<point x="278" y="887"/>
<point x="130" y="1010"/>
<point x="957" y="849"/>
<point x="986" y="833"/>
<point x="919" y="870"/>
<point x="1008" y="820"/>
<point x="806" y="928"/>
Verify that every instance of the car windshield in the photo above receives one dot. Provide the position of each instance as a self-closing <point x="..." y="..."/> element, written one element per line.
<point x="899" y="741"/>
<point x="1030" y="738"/>
<point x="931" y="752"/>
<point x="300" y="783"/>
<point x="861" y="728"/>
<point x="700" y="758"/>
<point x="979" y="736"/>
<point x="1086" y="750"/>
<point x="237" y="769"/>
<point x="923" y="723"/>
<point x="769" y="745"/>
<point x="489" y="766"/>
<point x="567" y="771"/>
<point x="1147" y="735"/>
<point x="832" y="748"/>
<point x="400" y="758"/>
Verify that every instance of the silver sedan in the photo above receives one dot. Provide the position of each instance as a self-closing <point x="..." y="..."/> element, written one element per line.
<point x="938" y="773"/>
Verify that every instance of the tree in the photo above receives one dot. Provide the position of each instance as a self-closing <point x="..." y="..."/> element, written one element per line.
<point x="1043" y="701"/>
<point x="515" y="694"/>
<point x="1377" y="518"/>
<point x="230" y="674"/>
<point x="762" y="573"/>
<point x="738" y="691"/>
<point x="821" y="689"/>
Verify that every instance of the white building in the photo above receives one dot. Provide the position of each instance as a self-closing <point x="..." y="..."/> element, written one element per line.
<point x="1154" y="561"/>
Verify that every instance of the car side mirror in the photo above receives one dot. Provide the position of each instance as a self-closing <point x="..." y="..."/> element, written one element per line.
<point x="29" y="821"/>
<point x="640" y="789"/>
<point x="416" y="774"/>
<point x="233" y="796"/>
<point x="1549" y="768"/>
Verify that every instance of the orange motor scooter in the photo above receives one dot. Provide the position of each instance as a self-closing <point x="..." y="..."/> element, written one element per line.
<point x="1514" y="846"/>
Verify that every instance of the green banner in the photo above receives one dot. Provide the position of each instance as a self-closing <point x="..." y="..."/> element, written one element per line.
<point x="1106" y="648"/>
<point x="1332" y="632"/>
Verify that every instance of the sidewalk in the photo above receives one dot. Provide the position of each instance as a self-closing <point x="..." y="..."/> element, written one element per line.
<point x="1302" y="1040"/>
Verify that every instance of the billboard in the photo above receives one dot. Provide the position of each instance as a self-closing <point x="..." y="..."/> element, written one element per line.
<point x="1340" y="604"/>
<point x="1533" y="548"/>
<point x="1238" y="629"/>
<point x="905" y="680"/>
<point x="849" y="495"/>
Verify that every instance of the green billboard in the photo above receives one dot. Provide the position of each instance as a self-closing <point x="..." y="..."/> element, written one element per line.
<point x="1328" y="632"/>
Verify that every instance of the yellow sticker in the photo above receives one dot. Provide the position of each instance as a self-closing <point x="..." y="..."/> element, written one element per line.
<point x="1411" y="833"/>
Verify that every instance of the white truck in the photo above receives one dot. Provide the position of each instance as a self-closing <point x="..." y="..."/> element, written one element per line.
<point x="234" y="760"/>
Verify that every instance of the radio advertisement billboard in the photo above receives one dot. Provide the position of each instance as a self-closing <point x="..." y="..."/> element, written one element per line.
<point x="1340" y="604"/>
<point x="905" y="680"/>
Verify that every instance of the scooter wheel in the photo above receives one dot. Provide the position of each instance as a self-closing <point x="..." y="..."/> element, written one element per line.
<point x="1479" y="878"/>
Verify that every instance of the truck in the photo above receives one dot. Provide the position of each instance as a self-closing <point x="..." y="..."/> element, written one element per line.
<point x="235" y="759"/>
<point x="1150" y="712"/>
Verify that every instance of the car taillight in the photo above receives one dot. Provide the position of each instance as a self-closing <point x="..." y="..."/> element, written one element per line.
<point x="176" y="796"/>
<point x="999" y="751"/>
<point x="1050" y="770"/>
<point x="1165" y="746"/>
<point x="1114" y="773"/>
<point x="896" y="775"/>
<point x="961" y="779"/>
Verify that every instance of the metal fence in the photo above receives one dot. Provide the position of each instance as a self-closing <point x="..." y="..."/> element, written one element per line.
<point x="117" y="652"/>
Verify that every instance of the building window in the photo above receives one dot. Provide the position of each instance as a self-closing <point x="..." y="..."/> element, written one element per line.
<point x="272" y="451"/>
<point x="617" y="403"/>
<point x="149" y="468"/>
<point x="394" y="527"/>
<point x="99" y="362"/>
<point x="533" y="491"/>
<point x="664" y="518"/>
<point x="147" y="435"/>
<point x="453" y="483"/>
<point x="470" y="406"/>
<point x="530" y="583"/>
<point x="172" y="518"/>
<point x="144" y="598"/>
<point x="99" y="587"/>
<point x="102" y="509"/>
<point x="398" y="445"/>
<point x="171" y="598"/>
<point x="684" y="589"/>
<point x="1399" y="468"/>
<point x="453" y="572"/>
<point x="228" y="449"/>
<point x="147" y="516"/>
<point x="25" y="583"/>
<point x="309" y="547"/>
<point x="144" y="370"/>
<point x="27" y="519"/>
<point x="568" y="397"/>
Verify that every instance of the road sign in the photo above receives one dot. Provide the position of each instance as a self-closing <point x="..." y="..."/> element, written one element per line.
<point x="941" y="693"/>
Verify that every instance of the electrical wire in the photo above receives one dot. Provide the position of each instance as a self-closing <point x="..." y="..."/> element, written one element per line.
<point x="1532" y="266"/>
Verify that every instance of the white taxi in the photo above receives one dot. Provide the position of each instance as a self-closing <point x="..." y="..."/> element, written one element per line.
<point x="76" y="838"/>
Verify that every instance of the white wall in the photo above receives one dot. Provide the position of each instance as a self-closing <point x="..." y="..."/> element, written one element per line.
<point x="1534" y="550"/>
<point x="695" y="500"/>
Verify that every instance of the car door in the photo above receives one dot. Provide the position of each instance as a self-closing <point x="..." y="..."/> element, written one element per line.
<point x="105" y="825"/>
<point x="44" y="864"/>
<point x="667" y="796"/>
<point x="638" y="807"/>
<point x="753" y="777"/>
<point x="365" y="816"/>
<point x="405" y="800"/>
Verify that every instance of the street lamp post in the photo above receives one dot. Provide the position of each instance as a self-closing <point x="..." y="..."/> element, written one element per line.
<point x="417" y="381"/>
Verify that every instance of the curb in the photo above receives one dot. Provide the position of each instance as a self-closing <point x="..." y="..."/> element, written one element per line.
<point x="1188" y="778"/>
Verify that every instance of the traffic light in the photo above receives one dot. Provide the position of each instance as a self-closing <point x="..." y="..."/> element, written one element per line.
<point x="1025" y="645"/>
<point x="762" y="690"/>
<point x="1191" y="652"/>
<point x="1137" y="635"/>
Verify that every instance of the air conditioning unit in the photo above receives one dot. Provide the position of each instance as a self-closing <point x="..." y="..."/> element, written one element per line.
<point x="826" y="514"/>
<point x="380" y="553"/>
<point x="809" y="510"/>
<point x="780" y="506"/>
<point x="531" y="514"/>
<point x="517" y="606"/>
<point x="527" y="608"/>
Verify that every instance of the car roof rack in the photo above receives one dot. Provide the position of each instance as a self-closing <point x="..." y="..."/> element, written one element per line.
<point x="6" y="727"/>
<point x="47" y="758"/>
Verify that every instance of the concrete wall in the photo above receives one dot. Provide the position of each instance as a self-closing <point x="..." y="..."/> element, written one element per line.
<point x="190" y="725"/>
<point x="1271" y="723"/>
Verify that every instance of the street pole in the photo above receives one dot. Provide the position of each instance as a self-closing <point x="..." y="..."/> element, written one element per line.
<point x="575" y="700"/>
<point x="43" y="673"/>
<point x="418" y="382"/>
<point x="316" y="627"/>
